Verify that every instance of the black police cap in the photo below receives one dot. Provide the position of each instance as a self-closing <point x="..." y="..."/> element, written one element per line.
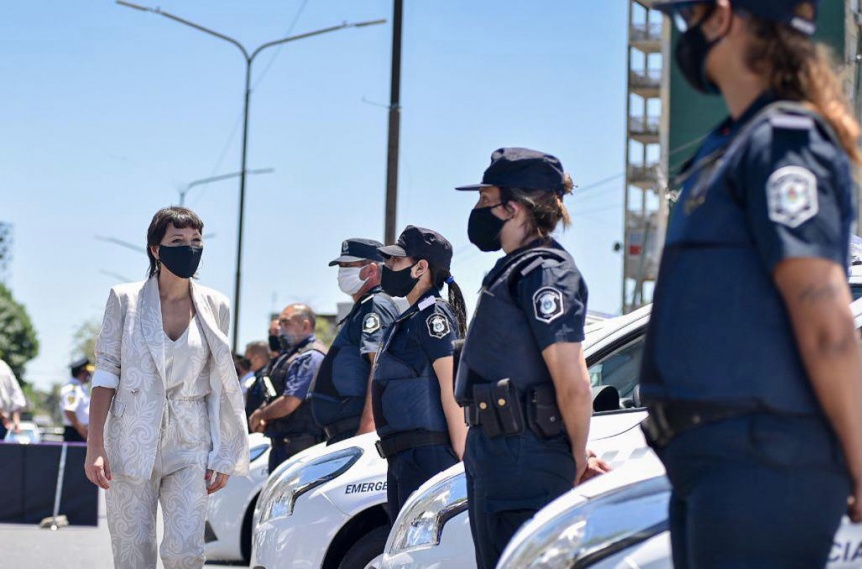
<point x="420" y="243"/>
<point x="76" y="366"/>
<point x="522" y="168"/>
<point x="788" y="12"/>
<point x="358" y="249"/>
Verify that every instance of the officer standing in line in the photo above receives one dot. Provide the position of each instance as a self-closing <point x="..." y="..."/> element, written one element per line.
<point x="286" y="417"/>
<point x="339" y="397"/>
<point x="751" y="371"/>
<point x="75" y="402"/>
<point x="522" y="376"/>
<point x="258" y="355"/>
<point x="420" y="425"/>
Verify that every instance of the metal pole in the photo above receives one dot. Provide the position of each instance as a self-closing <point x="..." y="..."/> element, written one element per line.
<point x="394" y="128"/>
<point x="242" y="176"/>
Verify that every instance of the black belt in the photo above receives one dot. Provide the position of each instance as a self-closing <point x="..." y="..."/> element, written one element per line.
<point x="342" y="426"/>
<point x="669" y="419"/>
<point x="394" y="444"/>
<point x="281" y="440"/>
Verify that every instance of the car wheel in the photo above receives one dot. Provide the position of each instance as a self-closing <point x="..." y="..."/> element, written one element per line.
<point x="245" y="532"/>
<point x="365" y="549"/>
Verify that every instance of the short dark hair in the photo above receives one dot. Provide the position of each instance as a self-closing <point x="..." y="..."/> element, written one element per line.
<point x="304" y="312"/>
<point x="258" y="348"/>
<point x="178" y="216"/>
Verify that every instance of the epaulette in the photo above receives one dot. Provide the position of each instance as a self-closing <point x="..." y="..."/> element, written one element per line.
<point x="791" y="121"/>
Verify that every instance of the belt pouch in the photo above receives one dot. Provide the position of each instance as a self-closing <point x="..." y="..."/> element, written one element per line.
<point x="484" y="402"/>
<point x="508" y="406"/>
<point x="543" y="415"/>
<point x="655" y="437"/>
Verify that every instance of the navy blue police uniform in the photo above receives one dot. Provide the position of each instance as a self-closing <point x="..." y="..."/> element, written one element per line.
<point x="292" y="374"/>
<point x="338" y="395"/>
<point x="408" y="413"/>
<point x="518" y="456"/>
<point x="260" y="389"/>
<point x="733" y="415"/>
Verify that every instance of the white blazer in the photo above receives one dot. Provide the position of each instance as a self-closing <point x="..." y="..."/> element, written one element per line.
<point x="130" y="357"/>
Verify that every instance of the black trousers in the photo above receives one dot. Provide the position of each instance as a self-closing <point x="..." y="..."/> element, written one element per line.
<point x="509" y="479"/>
<point x="410" y="469"/>
<point x="286" y="446"/>
<point x="71" y="435"/>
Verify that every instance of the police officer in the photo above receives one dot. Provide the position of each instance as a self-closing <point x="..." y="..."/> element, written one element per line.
<point x="286" y="417"/>
<point x="751" y="370"/>
<point x="339" y="398"/>
<point x="522" y="376"/>
<point x="75" y="401"/>
<point x="420" y="425"/>
<point x="259" y="356"/>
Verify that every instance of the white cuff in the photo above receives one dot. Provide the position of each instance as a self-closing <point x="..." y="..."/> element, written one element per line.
<point x="102" y="378"/>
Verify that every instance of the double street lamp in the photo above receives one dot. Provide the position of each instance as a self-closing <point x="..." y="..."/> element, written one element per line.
<point x="249" y="59"/>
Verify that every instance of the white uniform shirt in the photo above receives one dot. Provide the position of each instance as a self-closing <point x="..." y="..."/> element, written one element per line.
<point x="75" y="397"/>
<point x="11" y="397"/>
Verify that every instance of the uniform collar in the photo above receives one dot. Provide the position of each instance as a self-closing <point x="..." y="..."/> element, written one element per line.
<point x="369" y="294"/>
<point x="730" y="126"/>
<point x="503" y="261"/>
<point x="76" y="381"/>
<point x="427" y="299"/>
<point x="301" y="345"/>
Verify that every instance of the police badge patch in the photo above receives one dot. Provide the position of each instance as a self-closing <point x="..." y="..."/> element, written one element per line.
<point x="438" y="326"/>
<point x="371" y="323"/>
<point x="548" y="304"/>
<point x="791" y="194"/>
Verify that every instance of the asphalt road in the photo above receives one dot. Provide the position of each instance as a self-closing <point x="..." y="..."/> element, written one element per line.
<point x="29" y="547"/>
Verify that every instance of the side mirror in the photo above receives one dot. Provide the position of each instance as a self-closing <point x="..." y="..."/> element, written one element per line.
<point x="605" y="398"/>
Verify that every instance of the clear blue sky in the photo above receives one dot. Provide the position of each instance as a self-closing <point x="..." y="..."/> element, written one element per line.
<point x="105" y="112"/>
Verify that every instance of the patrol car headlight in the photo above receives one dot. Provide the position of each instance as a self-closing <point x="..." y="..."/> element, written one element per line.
<point x="593" y="530"/>
<point x="423" y="517"/>
<point x="304" y="476"/>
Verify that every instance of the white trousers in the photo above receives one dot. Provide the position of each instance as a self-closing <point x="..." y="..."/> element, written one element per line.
<point x="178" y="484"/>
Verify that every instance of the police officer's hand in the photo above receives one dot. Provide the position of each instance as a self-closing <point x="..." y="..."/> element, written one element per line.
<point x="256" y="423"/>
<point x="595" y="467"/>
<point x="96" y="466"/>
<point x="854" y="504"/>
<point x="215" y="481"/>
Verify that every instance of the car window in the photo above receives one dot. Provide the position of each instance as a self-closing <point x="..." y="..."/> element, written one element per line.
<point x="856" y="290"/>
<point x="620" y="368"/>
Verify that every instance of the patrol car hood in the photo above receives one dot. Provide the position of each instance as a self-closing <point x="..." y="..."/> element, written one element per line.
<point x="614" y="423"/>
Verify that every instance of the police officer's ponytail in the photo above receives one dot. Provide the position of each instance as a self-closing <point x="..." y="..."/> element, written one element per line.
<point x="545" y="209"/>
<point x="800" y="70"/>
<point x="456" y="299"/>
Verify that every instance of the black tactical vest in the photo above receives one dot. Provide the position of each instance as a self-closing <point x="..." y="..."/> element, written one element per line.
<point x="300" y="421"/>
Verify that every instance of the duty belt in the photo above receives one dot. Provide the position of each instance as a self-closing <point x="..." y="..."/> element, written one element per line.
<point x="393" y="444"/>
<point x="334" y="429"/>
<point x="669" y="419"/>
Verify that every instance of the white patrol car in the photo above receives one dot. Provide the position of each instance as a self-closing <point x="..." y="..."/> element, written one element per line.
<point x="433" y="529"/>
<point x="619" y="520"/>
<point x="326" y="506"/>
<point x="227" y="535"/>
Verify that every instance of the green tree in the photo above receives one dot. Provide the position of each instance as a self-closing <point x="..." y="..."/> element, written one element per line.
<point x="18" y="342"/>
<point x="84" y="339"/>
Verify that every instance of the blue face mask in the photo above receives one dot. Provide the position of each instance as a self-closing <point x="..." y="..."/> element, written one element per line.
<point x="483" y="228"/>
<point x="691" y="52"/>
<point x="181" y="260"/>
<point x="397" y="283"/>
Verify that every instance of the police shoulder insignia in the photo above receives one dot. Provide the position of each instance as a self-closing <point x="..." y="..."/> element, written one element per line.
<point x="547" y="304"/>
<point x="791" y="194"/>
<point x="371" y="323"/>
<point x="71" y="398"/>
<point x="438" y="326"/>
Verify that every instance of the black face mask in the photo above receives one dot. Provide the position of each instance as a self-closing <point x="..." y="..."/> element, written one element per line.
<point x="484" y="228"/>
<point x="397" y="283"/>
<point x="274" y="344"/>
<point x="182" y="260"/>
<point x="691" y="51"/>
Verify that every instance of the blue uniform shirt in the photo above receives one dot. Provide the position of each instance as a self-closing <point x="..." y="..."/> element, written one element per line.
<point x="422" y="338"/>
<point x="765" y="188"/>
<point x="301" y="371"/>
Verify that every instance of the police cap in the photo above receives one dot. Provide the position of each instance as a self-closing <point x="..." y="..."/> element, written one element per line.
<point x="358" y="249"/>
<point x="82" y="363"/>
<point x="522" y="168"/>
<point x="800" y="15"/>
<point x="421" y="243"/>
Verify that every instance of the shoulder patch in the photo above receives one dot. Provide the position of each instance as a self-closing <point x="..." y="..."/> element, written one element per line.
<point x="548" y="304"/>
<point x="438" y="326"/>
<point x="371" y="323"/>
<point x="791" y="194"/>
<point x="426" y="302"/>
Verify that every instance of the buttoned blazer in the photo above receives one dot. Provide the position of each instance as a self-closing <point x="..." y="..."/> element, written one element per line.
<point x="130" y="357"/>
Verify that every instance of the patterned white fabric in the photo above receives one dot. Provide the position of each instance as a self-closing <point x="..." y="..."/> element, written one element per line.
<point x="178" y="483"/>
<point x="186" y="373"/>
<point x="11" y="397"/>
<point x="130" y="357"/>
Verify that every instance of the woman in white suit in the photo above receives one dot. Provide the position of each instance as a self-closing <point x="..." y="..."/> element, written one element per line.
<point x="166" y="416"/>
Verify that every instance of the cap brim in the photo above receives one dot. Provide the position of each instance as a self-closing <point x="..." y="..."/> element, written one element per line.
<point x="473" y="187"/>
<point x="667" y="6"/>
<point x="392" y="251"/>
<point x="345" y="259"/>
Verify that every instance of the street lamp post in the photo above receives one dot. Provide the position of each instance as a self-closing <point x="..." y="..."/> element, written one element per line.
<point x="249" y="59"/>
<point x="191" y="185"/>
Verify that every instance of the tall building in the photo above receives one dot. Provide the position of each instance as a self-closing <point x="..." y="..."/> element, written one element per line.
<point x="643" y="210"/>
